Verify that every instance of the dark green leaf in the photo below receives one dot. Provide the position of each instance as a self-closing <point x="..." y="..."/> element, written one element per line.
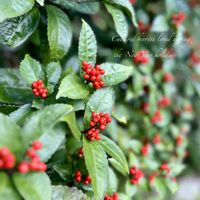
<point x="65" y="171"/>
<point x="59" y="32"/>
<point x="33" y="186"/>
<point x="97" y="165"/>
<point x="15" y="31"/>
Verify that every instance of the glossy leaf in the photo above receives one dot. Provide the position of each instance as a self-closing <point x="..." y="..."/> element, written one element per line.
<point x="14" y="8"/>
<point x="97" y="165"/>
<point x="72" y="87"/>
<point x="115" y="73"/>
<point x="43" y="121"/>
<point x="87" y="45"/>
<point x="13" y="88"/>
<point x="101" y="101"/>
<point x="31" y="70"/>
<point x="114" y="151"/>
<point x="59" y="32"/>
<point x="33" y="186"/>
<point x="15" y="31"/>
<point x="121" y="24"/>
<point x="86" y="7"/>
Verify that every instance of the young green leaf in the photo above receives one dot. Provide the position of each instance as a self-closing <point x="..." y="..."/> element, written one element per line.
<point x="86" y="7"/>
<point x="33" y="186"/>
<point x="13" y="88"/>
<point x="121" y="24"/>
<point x="14" y="8"/>
<point x="97" y="165"/>
<point x="114" y="151"/>
<point x="59" y="32"/>
<point x="7" y="192"/>
<point x="72" y="87"/>
<point x="101" y="101"/>
<point x="87" y="45"/>
<point x="72" y="123"/>
<point x="115" y="73"/>
<point x="10" y="135"/>
<point x="43" y="121"/>
<point x="53" y="72"/>
<point x="31" y="70"/>
<point x="16" y="31"/>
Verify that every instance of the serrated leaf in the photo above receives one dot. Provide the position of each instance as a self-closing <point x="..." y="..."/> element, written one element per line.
<point x="65" y="193"/>
<point x="10" y="135"/>
<point x="72" y="123"/>
<point x="55" y="137"/>
<point x="15" y="31"/>
<point x="53" y="72"/>
<point x="59" y="32"/>
<point x="86" y="7"/>
<point x="114" y="151"/>
<point x="41" y="2"/>
<point x="7" y="191"/>
<point x="115" y="73"/>
<point x="87" y="45"/>
<point x="121" y="24"/>
<point x="97" y="165"/>
<point x="101" y="101"/>
<point x="160" y="24"/>
<point x="14" y="8"/>
<point x="31" y="70"/>
<point x="126" y="5"/>
<point x="72" y="87"/>
<point x="43" y="121"/>
<point x="13" y="88"/>
<point x="33" y="186"/>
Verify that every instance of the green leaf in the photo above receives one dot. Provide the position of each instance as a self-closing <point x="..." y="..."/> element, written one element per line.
<point x="13" y="88"/>
<point x="16" y="31"/>
<point x="172" y="185"/>
<point x="121" y="24"/>
<point x="72" y="123"/>
<point x="101" y="101"/>
<point x="176" y="168"/>
<point x="14" y="8"/>
<point x="7" y="192"/>
<point x="114" y="151"/>
<point x="65" y="193"/>
<point x="10" y="135"/>
<point x="160" y="24"/>
<point x="65" y="171"/>
<point x="87" y="50"/>
<point x="53" y="72"/>
<point x="55" y="137"/>
<point x="72" y="87"/>
<point x="97" y="165"/>
<point x="31" y="70"/>
<point x="33" y="186"/>
<point x="59" y="32"/>
<point x="86" y="7"/>
<point x="126" y="5"/>
<point x="115" y="73"/>
<point x="41" y="2"/>
<point x="159" y="186"/>
<point x="117" y="166"/>
<point x="43" y="121"/>
<point x="130" y="189"/>
<point x="112" y="182"/>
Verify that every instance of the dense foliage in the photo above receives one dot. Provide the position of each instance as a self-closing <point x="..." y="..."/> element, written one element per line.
<point x="97" y="98"/>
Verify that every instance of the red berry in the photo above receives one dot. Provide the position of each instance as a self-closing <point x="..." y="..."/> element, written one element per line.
<point x="86" y="76"/>
<point x="102" y="127"/>
<point x="37" y="145"/>
<point x="23" y="167"/>
<point x="4" y="152"/>
<point x="31" y="153"/>
<point x="9" y="161"/>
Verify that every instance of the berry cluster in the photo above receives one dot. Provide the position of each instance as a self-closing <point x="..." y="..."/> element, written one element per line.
<point x="39" y="89"/>
<point x="33" y="162"/>
<point x="80" y="152"/>
<point x="98" y="122"/>
<point x="136" y="175"/>
<point x="157" y="117"/>
<point x="141" y="57"/>
<point x="111" y="197"/>
<point x="168" y="77"/>
<point x="178" y="18"/>
<point x="164" y="102"/>
<point x="7" y="159"/>
<point x="145" y="149"/>
<point x="93" y="74"/>
<point x="78" y="178"/>
<point x="165" y="167"/>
